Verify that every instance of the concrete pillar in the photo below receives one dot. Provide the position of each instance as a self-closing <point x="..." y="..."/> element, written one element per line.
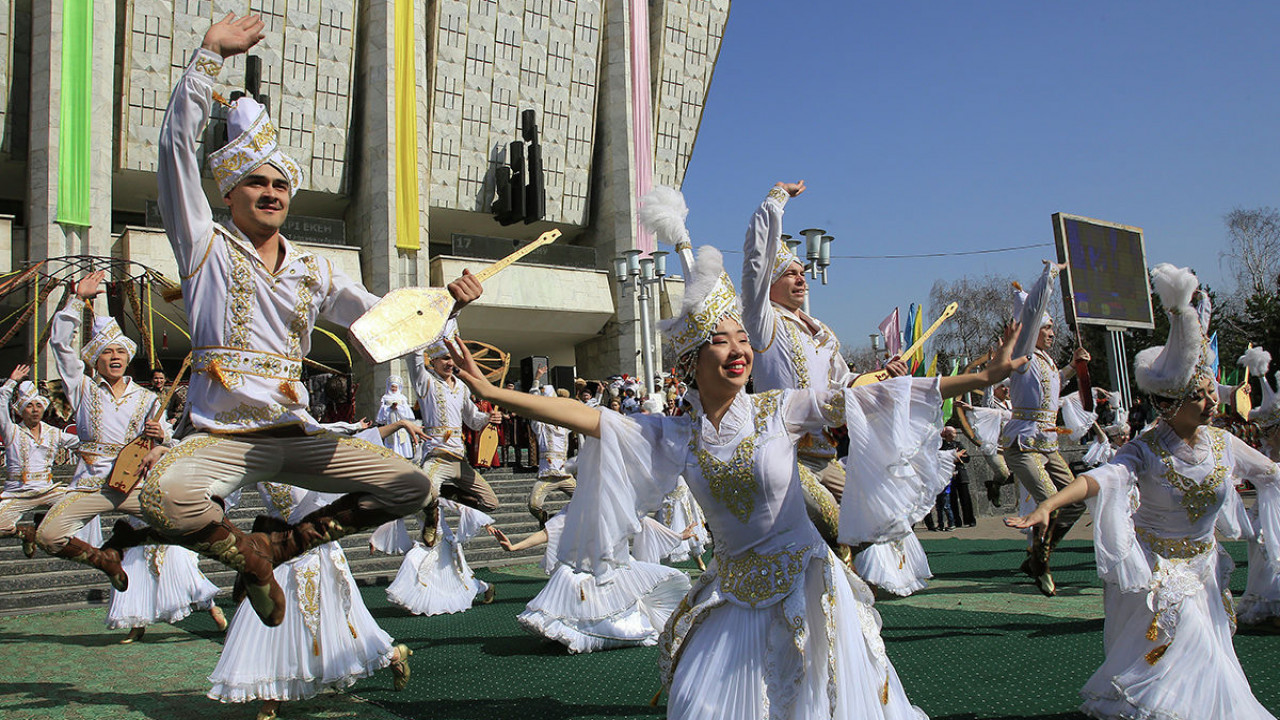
<point x="613" y="200"/>
<point x="372" y="214"/>
<point x="45" y="237"/>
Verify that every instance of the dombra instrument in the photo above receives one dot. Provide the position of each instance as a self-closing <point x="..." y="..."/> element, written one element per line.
<point x="1241" y="403"/>
<point x="125" y="474"/>
<point x="882" y="375"/>
<point x="409" y="319"/>
<point x="494" y="364"/>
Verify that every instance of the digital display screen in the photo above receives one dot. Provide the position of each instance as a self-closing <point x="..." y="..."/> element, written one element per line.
<point x="1106" y="281"/>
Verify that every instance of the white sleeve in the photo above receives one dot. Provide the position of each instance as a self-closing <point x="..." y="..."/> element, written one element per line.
<point x="1037" y="302"/>
<point x="472" y="416"/>
<point x="419" y="377"/>
<point x="894" y="467"/>
<point x="346" y="299"/>
<point x="1249" y="464"/>
<point x="1121" y="560"/>
<point x="622" y="475"/>
<point x="184" y="207"/>
<point x="7" y="426"/>
<point x="764" y="234"/>
<point x="62" y="333"/>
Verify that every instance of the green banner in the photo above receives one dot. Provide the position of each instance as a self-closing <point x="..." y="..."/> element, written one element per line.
<point x="75" y="112"/>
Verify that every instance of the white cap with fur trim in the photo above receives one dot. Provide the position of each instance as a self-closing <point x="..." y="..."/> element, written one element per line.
<point x="1174" y="369"/>
<point x="254" y="143"/>
<point x="1258" y="361"/>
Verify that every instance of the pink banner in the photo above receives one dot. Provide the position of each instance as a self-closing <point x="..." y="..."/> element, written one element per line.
<point x="641" y="112"/>
<point x="892" y="335"/>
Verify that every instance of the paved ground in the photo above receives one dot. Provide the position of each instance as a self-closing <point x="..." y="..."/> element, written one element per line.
<point x="979" y="643"/>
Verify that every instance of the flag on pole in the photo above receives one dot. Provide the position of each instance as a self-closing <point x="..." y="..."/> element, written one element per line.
<point x="946" y="404"/>
<point x="933" y="367"/>
<point x="916" y="361"/>
<point x="890" y="329"/>
<point x="1213" y="343"/>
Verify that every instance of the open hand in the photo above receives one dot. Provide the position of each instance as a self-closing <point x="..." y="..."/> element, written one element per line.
<point x="1002" y="363"/>
<point x="150" y="460"/>
<point x="232" y="36"/>
<point x="20" y="373"/>
<point x="500" y="536"/>
<point x="792" y="189"/>
<point x="1038" y="519"/>
<point x="90" y="286"/>
<point x="466" y="369"/>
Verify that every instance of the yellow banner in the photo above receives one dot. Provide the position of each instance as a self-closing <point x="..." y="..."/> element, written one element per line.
<point x="406" y="109"/>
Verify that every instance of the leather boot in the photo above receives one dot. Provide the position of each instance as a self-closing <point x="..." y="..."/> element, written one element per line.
<point x="27" y="534"/>
<point x="250" y="554"/>
<point x="430" y="523"/>
<point x="125" y="536"/>
<point x="108" y="561"/>
<point x="334" y="521"/>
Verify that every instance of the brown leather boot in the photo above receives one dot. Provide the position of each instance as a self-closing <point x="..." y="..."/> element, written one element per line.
<point x="125" y="536"/>
<point x="108" y="561"/>
<point x="430" y="523"/>
<point x="249" y="554"/>
<point x="27" y="534"/>
<point x="334" y="521"/>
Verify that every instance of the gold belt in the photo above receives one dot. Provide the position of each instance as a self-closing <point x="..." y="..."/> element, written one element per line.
<point x="1036" y="414"/>
<point x="240" y="361"/>
<point x="1175" y="548"/>
<point x="754" y="578"/>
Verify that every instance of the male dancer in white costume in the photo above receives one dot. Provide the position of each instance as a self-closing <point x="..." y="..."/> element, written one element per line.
<point x="252" y="299"/>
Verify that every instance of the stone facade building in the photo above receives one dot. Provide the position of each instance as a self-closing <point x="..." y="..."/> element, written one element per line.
<point x="327" y="70"/>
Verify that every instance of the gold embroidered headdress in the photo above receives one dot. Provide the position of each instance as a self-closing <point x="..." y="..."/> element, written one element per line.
<point x="709" y="295"/>
<point x="1174" y="369"/>
<point x="26" y="393"/>
<point x="782" y="260"/>
<point x="106" y="333"/>
<point x="253" y="144"/>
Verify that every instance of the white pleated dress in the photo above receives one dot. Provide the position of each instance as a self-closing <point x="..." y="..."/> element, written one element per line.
<point x="629" y="610"/>
<point x="165" y="586"/>
<point x="391" y="538"/>
<point x="1169" y="615"/>
<point x="328" y="639"/>
<point x="1261" y="600"/>
<point x="897" y="566"/>
<point x="777" y="626"/>
<point x="437" y="580"/>
<point x="679" y="510"/>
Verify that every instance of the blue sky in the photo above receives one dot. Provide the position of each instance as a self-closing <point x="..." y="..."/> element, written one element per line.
<point x="933" y="127"/>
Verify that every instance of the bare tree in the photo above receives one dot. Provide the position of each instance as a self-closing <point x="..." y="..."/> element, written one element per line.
<point x="1253" y="249"/>
<point x="985" y="304"/>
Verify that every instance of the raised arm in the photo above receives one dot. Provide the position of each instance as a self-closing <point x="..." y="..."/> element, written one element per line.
<point x="764" y="234"/>
<point x="188" y="221"/>
<point x="1033" y="309"/>
<point x="565" y="412"/>
<point x="62" y="335"/>
<point x="19" y="374"/>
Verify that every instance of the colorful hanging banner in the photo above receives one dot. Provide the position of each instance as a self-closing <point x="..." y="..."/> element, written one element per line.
<point x="406" y="115"/>
<point x="641" y="113"/>
<point x="75" y="113"/>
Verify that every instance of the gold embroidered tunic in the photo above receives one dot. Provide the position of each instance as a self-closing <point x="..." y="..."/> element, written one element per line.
<point x="250" y="325"/>
<point x="28" y="460"/>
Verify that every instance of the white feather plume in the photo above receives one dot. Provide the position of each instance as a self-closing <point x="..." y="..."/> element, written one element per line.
<point x="1174" y="285"/>
<point x="662" y="212"/>
<point x="1256" y="360"/>
<point x="706" y="271"/>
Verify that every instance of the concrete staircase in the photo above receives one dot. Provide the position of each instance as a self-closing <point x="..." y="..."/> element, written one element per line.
<point x="46" y="583"/>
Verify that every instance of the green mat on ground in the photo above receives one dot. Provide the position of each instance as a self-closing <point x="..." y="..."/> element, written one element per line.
<point x="979" y="643"/>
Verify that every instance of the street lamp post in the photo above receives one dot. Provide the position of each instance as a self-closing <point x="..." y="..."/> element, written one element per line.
<point x="631" y="269"/>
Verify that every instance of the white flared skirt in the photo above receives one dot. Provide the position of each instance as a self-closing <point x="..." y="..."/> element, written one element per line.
<point x="897" y="566"/>
<point x="628" y="610"/>
<point x="328" y="639"/>
<point x="165" y="585"/>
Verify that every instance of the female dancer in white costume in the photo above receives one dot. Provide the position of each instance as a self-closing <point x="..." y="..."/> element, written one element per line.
<point x="1169" y="617"/>
<point x="777" y="622"/>
<point x="1261" y="600"/>
<point x="436" y="580"/>
<point x="628" y="611"/>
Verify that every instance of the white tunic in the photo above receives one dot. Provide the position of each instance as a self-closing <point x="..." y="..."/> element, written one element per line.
<point x="445" y="408"/>
<point x="29" y="460"/>
<point x="553" y="446"/>
<point x="104" y="422"/>
<point x="1034" y="388"/>
<point x="1169" y="617"/>
<point x="250" y="325"/>
<point x="792" y="349"/>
